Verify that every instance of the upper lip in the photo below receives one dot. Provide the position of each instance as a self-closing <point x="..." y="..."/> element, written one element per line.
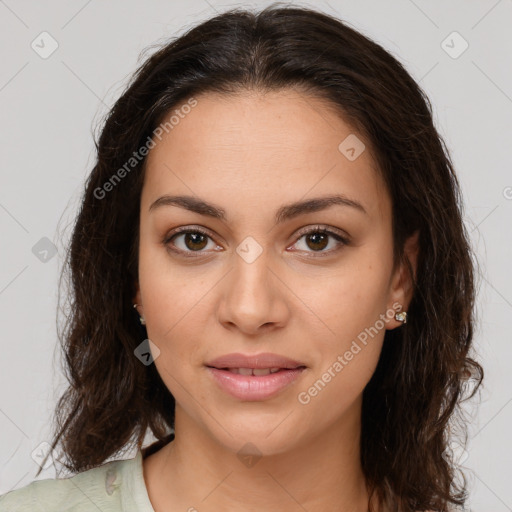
<point x="266" y="360"/>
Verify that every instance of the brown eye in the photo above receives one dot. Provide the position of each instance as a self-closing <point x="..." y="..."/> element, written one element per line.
<point x="195" y="241"/>
<point x="188" y="241"/>
<point x="318" y="239"/>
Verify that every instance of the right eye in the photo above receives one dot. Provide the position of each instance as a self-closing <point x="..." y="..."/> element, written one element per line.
<point x="191" y="240"/>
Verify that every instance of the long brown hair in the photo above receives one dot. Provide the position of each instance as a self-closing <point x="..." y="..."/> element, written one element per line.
<point x="425" y="370"/>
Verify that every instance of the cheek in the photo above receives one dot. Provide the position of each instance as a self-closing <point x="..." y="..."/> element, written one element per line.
<point x="173" y="301"/>
<point x="349" y="300"/>
<point x="349" y="337"/>
<point x="349" y="351"/>
<point x="169" y="291"/>
<point x="335" y="391"/>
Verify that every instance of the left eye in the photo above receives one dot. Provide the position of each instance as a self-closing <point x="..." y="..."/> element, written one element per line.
<point x="318" y="239"/>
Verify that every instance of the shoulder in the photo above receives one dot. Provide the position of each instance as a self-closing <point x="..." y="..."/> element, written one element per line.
<point x="99" y="488"/>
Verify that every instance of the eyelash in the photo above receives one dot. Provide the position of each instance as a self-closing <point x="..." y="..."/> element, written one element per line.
<point x="316" y="229"/>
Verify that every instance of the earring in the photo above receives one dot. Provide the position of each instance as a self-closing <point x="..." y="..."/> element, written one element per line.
<point x="401" y="317"/>
<point x="142" y="321"/>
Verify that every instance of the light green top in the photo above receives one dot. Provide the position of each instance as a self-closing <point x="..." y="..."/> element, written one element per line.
<point x="116" y="486"/>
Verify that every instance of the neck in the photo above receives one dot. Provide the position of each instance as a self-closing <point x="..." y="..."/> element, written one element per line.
<point x="321" y="473"/>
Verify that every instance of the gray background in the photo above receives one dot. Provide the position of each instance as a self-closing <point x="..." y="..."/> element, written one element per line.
<point x="50" y="106"/>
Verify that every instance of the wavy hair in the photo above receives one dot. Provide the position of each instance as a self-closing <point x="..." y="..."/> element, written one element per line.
<point x="425" y="370"/>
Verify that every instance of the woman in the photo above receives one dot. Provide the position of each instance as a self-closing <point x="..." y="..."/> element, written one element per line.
<point x="273" y="199"/>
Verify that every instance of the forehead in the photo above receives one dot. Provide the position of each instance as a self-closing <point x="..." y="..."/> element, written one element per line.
<point x="259" y="149"/>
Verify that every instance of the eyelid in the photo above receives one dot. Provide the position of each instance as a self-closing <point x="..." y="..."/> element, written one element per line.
<point x="187" y="229"/>
<point x="323" y="228"/>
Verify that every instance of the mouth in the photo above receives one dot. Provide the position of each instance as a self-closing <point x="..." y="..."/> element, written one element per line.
<point x="254" y="377"/>
<point x="257" y="372"/>
<point x="264" y="361"/>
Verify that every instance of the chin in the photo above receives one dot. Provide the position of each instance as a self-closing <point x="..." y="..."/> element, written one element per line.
<point x="252" y="433"/>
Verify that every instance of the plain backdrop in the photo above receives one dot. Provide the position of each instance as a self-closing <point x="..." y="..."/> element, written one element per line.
<point x="459" y="51"/>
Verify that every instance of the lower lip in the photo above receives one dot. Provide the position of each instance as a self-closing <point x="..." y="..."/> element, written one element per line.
<point x="254" y="387"/>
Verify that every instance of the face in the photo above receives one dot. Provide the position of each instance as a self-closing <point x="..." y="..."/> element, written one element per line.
<point x="314" y="284"/>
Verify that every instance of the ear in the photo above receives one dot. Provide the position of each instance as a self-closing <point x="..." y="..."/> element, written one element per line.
<point x="402" y="285"/>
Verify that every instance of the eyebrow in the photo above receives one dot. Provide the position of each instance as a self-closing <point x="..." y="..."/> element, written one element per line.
<point x="284" y="213"/>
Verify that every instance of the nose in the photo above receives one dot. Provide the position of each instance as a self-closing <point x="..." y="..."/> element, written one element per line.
<point x="253" y="297"/>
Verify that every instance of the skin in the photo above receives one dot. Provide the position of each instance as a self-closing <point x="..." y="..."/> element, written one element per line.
<point x="250" y="154"/>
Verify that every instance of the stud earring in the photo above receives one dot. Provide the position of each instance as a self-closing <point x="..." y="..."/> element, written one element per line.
<point x="142" y="321"/>
<point x="401" y="317"/>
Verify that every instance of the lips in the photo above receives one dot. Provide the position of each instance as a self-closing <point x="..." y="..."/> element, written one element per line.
<point x="257" y="361"/>
<point x="254" y="377"/>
